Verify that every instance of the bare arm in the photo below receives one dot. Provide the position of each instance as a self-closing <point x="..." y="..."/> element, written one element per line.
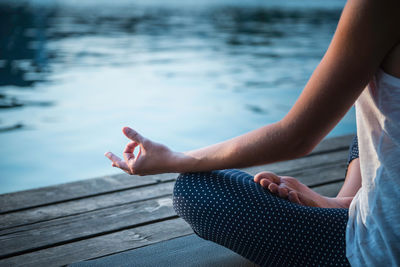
<point x="366" y="32"/>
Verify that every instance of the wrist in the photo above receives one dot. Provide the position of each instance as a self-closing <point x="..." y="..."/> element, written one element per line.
<point x="176" y="162"/>
<point x="183" y="162"/>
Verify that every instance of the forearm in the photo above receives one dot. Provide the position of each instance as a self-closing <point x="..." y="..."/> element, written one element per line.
<point x="267" y="144"/>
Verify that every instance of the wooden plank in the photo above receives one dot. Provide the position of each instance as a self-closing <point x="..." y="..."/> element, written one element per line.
<point x="68" y="208"/>
<point x="107" y="184"/>
<point x="187" y="251"/>
<point x="333" y="144"/>
<point x="331" y="158"/>
<point x="76" y="190"/>
<point x="72" y="228"/>
<point x="316" y="170"/>
<point x="102" y="245"/>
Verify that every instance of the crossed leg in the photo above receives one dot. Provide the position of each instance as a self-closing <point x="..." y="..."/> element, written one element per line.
<point x="229" y="208"/>
<point x="296" y="227"/>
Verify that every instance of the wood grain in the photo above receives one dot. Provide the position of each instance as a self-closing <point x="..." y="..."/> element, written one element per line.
<point x="80" y="206"/>
<point x="73" y="228"/>
<point x="102" y="245"/>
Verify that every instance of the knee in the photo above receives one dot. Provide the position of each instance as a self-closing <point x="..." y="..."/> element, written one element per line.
<point x="182" y="193"/>
<point x="188" y="198"/>
<point x="192" y="190"/>
<point x="181" y="185"/>
<point x="189" y="188"/>
<point x="200" y="198"/>
<point x="190" y="194"/>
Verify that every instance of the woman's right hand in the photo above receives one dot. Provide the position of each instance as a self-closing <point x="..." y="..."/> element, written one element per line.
<point x="152" y="157"/>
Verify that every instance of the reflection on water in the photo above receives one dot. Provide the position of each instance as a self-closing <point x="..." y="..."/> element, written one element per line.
<point x="186" y="74"/>
<point x="23" y="57"/>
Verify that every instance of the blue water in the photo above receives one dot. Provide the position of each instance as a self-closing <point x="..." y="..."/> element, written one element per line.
<point x="183" y="73"/>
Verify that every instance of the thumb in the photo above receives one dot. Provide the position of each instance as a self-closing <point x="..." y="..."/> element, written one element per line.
<point x="132" y="134"/>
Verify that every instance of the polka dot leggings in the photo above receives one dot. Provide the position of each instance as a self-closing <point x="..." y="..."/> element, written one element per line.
<point x="229" y="208"/>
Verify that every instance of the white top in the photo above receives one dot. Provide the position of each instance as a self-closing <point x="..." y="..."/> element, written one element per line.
<point x="373" y="229"/>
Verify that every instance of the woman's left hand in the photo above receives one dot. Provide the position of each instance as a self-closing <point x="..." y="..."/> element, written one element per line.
<point x="290" y="188"/>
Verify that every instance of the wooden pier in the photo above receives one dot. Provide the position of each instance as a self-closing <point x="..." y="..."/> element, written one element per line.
<point x="122" y="215"/>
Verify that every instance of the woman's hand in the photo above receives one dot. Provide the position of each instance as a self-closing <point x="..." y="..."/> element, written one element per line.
<point x="284" y="187"/>
<point x="151" y="158"/>
<point x="292" y="189"/>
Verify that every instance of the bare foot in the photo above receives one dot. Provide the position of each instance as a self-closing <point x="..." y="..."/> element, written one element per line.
<point x="290" y="188"/>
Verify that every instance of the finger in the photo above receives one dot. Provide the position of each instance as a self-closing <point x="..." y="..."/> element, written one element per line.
<point x="128" y="151"/>
<point x="257" y="178"/>
<point x="283" y="192"/>
<point x="130" y="147"/>
<point x="267" y="175"/>
<point x="122" y="165"/>
<point x="115" y="165"/>
<point x="112" y="157"/>
<point x="117" y="162"/>
<point x="261" y="175"/>
<point x="139" y="153"/>
<point x="133" y="135"/>
<point x="265" y="183"/>
<point x="273" y="188"/>
<point x="293" y="197"/>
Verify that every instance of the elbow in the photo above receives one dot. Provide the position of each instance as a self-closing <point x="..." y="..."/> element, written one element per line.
<point x="303" y="150"/>
<point x="300" y="141"/>
<point x="300" y="146"/>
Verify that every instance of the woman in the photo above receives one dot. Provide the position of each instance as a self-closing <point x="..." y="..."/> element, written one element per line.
<point x="251" y="215"/>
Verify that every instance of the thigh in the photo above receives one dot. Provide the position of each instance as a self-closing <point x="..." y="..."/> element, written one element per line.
<point x="229" y="208"/>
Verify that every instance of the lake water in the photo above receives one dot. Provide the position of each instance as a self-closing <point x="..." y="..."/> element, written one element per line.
<point x="184" y="73"/>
